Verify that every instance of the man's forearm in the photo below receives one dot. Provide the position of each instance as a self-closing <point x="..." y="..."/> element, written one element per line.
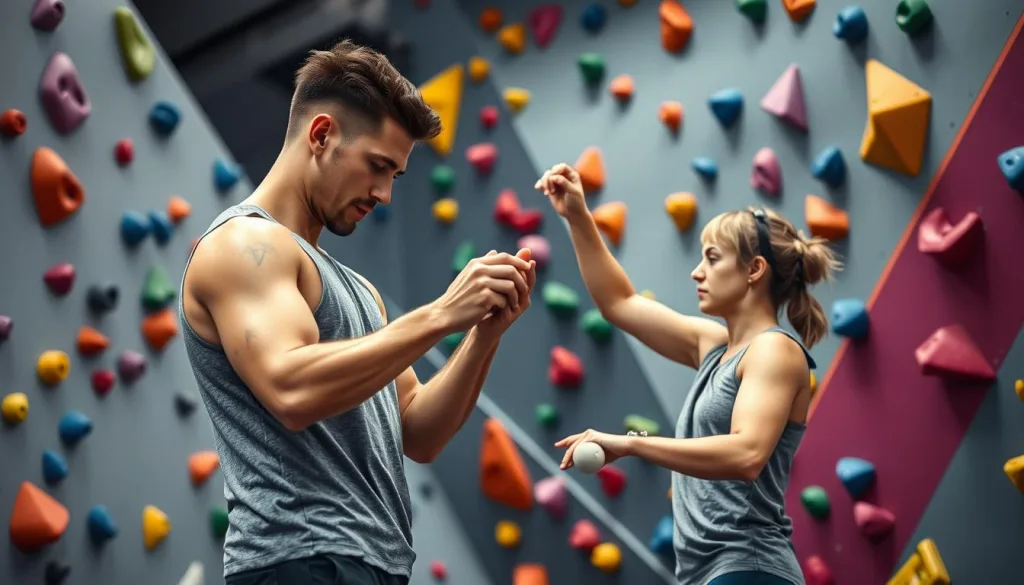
<point x="443" y="404"/>
<point x="715" y="457"/>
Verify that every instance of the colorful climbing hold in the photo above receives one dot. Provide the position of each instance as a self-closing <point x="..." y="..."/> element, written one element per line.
<point x="442" y="178"/>
<point x="540" y="249"/>
<point x="661" y="539"/>
<point x="178" y="209"/>
<point x="504" y="477"/>
<point x="544" y="21"/>
<point x="482" y="157"/>
<point x="445" y="210"/>
<point x="155" y="526"/>
<point x="755" y="10"/>
<point x="855" y="474"/>
<point x="6" y="326"/>
<point x="799" y="10"/>
<point x="135" y="227"/>
<point x="452" y="340"/>
<point x="817" y="572"/>
<point x="516" y="99"/>
<point x="529" y="574"/>
<point x="60" y="278"/>
<point x="124" y="151"/>
<point x="138" y="57"/>
<point x="438" y="570"/>
<point x="13" y="123"/>
<point x="102" y="381"/>
<point x="63" y="95"/>
<point x="593" y="17"/>
<point x="610" y="218"/>
<point x="565" y="368"/>
<point x="507" y="533"/>
<point x="592" y="67"/>
<point x="850" y="318"/>
<point x="584" y="534"/>
<point x="218" y="521"/>
<point x="512" y="38"/>
<point x="37" y="518"/>
<point x="55" y="572"/>
<point x="785" y="98"/>
<point x="225" y="174"/>
<point x="547" y="415"/>
<point x="162" y="226"/>
<point x="612" y="480"/>
<point x="479" y="68"/>
<point x="57" y="192"/>
<point x="766" y="172"/>
<point x="102" y="298"/>
<point x="73" y="427"/>
<point x="53" y="366"/>
<point x="1011" y="164"/>
<point x="898" y="119"/>
<point x="47" y="14"/>
<point x="159" y="328"/>
<point x="638" y="423"/>
<point x="622" y="87"/>
<point x="489" y="116"/>
<point x="726" y="105"/>
<point x="873" y="520"/>
<point x="131" y="366"/>
<point x="1014" y="469"/>
<point x="829" y="166"/>
<point x="560" y="299"/>
<point x="590" y="166"/>
<point x="950" y="244"/>
<point x="443" y="93"/>
<point x="101" y="524"/>
<point x="157" y="290"/>
<point x="951" y="353"/>
<point x="202" y="465"/>
<point x="607" y="557"/>
<point x="924" y="566"/>
<point x="527" y="221"/>
<point x="682" y="208"/>
<point x="506" y="206"/>
<point x="1018" y="387"/>
<point x="91" y="341"/>
<point x="676" y="25"/>
<point x="706" y="167"/>
<point x="815" y="501"/>
<point x="851" y="24"/>
<point x="464" y="252"/>
<point x="14" y="408"/>
<point x="164" y="117"/>
<point x="596" y="326"/>
<point x="185" y="402"/>
<point x="913" y="16"/>
<point x="490" y="19"/>
<point x="825" y="220"/>
<point x="670" y="114"/>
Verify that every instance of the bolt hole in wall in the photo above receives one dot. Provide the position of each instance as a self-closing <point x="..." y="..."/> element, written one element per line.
<point x="112" y="170"/>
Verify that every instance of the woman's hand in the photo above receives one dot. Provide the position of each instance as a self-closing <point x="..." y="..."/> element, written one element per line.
<point x="615" y="446"/>
<point x="561" y="185"/>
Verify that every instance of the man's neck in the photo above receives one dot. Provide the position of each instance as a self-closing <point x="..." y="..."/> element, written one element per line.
<point x="284" y="198"/>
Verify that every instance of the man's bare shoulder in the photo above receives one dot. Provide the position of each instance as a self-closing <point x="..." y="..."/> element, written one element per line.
<point x="241" y="249"/>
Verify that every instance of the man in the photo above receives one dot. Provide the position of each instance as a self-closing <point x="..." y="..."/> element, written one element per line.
<point x="311" y="391"/>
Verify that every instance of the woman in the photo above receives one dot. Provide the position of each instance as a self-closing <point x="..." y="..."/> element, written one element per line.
<point x="745" y="414"/>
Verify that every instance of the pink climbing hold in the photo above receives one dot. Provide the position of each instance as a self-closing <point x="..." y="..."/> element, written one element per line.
<point x="131" y="366"/>
<point x="102" y="381"/>
<point x="527" y="221"/>
<point x="489" y="116"/>
<point x="767" y="174"/>
<point x="60" y="278"/>
<point x="544" y="21"/>
<point x="540" y="249"/>
<point x="47" y="14"/>
<point x="613" y="480"/>
<point x="506" y="206"/>
<point x="785" y="99"/>
<point x="482" y="156"/>
<point x="438" y="570"/>
<point x="6" y="326"/>
<point x="816" y="572"/>
<point x="550" y="493"/>
<point x="873" y="520"/>
<point x="584" y="535"/>
<point x="64" y="97"/>
<point x="124" y="151"/>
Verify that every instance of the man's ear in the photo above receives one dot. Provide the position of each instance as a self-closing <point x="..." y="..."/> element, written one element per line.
<point x="319" y="132"/>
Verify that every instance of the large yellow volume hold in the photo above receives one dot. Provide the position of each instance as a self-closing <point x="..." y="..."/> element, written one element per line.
<point x="898" y="115"/>
<point x="443" y="93"/>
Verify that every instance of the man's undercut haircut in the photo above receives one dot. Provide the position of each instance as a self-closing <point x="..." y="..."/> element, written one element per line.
<point x="366" y="87"/>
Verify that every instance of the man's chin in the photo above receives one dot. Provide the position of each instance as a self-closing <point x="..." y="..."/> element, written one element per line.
<point x="341" y="229"/>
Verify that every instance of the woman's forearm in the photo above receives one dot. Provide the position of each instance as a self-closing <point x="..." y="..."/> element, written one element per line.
<point x="603" y="276"/>
<point x="716" y="457"/>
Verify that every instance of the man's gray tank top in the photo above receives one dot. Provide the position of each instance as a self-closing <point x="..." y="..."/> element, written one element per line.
<point x="723" y="526"/>
<point x="338" y="486"/>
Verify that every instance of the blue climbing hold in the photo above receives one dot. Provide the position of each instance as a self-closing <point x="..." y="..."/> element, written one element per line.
<point x="706" y="167"/>
<point x="381" y="213"/>
<point x="1011" y="163"/>
<point x="829" y="167"/>
<point x="54" y="467"/>
<point x="851" y="24"/>
<point x="74" y="426"/>
<point x="856" y="474"/>
<point x="593" y="17"/>
<point x="164" y="117"/>
<point x="163" y="227"/>
<point x="850" y="318"/>
<point x="101" y="524"/>
<point x="661" y="540"/>
<point x="225" y="174"/>
<point x="134" y="227"/>
<point x="726" y="105"/>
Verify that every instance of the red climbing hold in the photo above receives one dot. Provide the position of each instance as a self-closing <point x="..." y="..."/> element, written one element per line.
<point x="57" y="191"/>
<point x="438" y="570"/>
<point x="950" y="244"/>
<point x="60" y="278"/>
<point x="506" y="207"/>
<point x="489" y="116"/>
<point x="37" y="519"/>
<point x="482" y="157"/>
<point x="816" y="572"/>
<point x="102" y="382"/>
<point x="565" y="369"/>
<point x="527" y="221"/>
<point x="13" y="123"/>
<point x="584" y="535"/>
<point x="950" y="352"/>
<point x="544" y="21"/>
<point x="124" y="151"/>
<point x="613" y="480"/>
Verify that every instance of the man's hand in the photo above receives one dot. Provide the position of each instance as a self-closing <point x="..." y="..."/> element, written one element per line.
<point x="487" y="284"/>
<point x="495" y="323"/>
<point x="562" y="186"/>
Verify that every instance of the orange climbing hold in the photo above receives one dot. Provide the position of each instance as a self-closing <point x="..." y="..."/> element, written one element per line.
<point x="37" y="519"/>
<point x="798" y="10"/>
<point x="682" y="208"/>
<point x="13" y="123"/>
<point x="897" y="126"/>
<point x="178" y="209"/>
<point x="611" y="220"/>
<point x="622" y="87"/>
<point x="671" y="115"/>
<point x="512" y="37"/>
<point x="824" y="219"/>
<point x="676" y="25"/>
<point x="590" y="166"/>
<point x="530" y="574"/>
<point x="159" y="328"/>
<point x="202" y="465"/>
<point x="58" y="192"/>
<point x="503" y="475"/>
<point x="491" y="19"/>
<point x="90" y="341"/>
<point x="1014" y="469"/>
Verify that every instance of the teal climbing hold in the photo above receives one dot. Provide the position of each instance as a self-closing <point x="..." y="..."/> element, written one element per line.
<point x="100" y="524"/>
<point x="913" y="16"/>
<point x="547" y="415"/>
<point x="829" y="167"/>
<point x="726" y="105"/>
<point x="162" y="226"/>
<point x="442" y="178"/>
<point x="850" y="318"/>
<point x="135" y="227"/>
<point x="591" y="67"/>
<point x="856" y="475"/>
<point x="815" y="501"/>
<point x="218" y="521"/>
<point x="851" y="24"/>
<point x="661" y="540"/>
<point x="157" y="290"/>
<point x="1011" y="164"/>
<point x="55" y="468"/>
<point x="755" y="10"/>
<point x="706" y="167"/>
<point x="560" y="299"/>
<point x="380" y="213"/>
<point x="452" y="340"/>
<point x="74" y="426"/>
<point x="596" y="326"/>
<point x="164" y="117"/>
<point x="463" y="254"/>
<point x="225" y="174"/>
<point x="593" y="17"/>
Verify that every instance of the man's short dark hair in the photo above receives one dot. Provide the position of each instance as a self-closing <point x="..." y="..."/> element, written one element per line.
<point x="367" y="87"/>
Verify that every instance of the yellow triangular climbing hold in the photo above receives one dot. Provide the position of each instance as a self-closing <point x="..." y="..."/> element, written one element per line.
<point x="1014" y="469"/>
<point x="155" y="526"/>
<point x="516" y="98"/>
<point x="898" y="114"/>
<point x="443" y="93"/>
<point x="611" y="220"/>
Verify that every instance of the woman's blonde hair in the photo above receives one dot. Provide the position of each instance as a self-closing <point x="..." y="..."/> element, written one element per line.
<point x="797" y="262"/>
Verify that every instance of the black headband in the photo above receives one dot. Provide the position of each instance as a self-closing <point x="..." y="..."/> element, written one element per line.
<point x="764" y="245"/>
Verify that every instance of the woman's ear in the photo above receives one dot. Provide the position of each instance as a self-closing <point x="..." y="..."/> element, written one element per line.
<point x="757" y="269"/>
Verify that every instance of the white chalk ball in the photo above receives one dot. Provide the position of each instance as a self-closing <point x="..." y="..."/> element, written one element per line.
<point x="588" y="457"/>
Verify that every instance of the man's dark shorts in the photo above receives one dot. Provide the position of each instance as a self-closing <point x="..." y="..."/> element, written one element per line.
<point x="317" y="570"/>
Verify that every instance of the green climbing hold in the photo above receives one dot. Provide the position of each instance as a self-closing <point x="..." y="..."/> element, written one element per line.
<point x="219" y="521"/>
<point x="463" y="254"/>
<point x="157" y="290"/>
<point x="913" y="16"/>
<point x="560" y="299"/>
<point x="592" y="67"/>
<point x="137" y="53"/>
<point x="442" y="178"/>
<point x="453" y="340"/>
<point x="815" y="500"/>
<point x="755" y="10"/>
<point x="635" y="422"/>
<point x="547" y="416"/>
<point x="596" y="326"/>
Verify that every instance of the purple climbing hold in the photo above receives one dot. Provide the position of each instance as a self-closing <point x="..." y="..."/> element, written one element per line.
<point x="6" y="325"/>
<point x="131" y="366"/>
<point x="64" y="97"/>
<point x="47" y="14"/>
